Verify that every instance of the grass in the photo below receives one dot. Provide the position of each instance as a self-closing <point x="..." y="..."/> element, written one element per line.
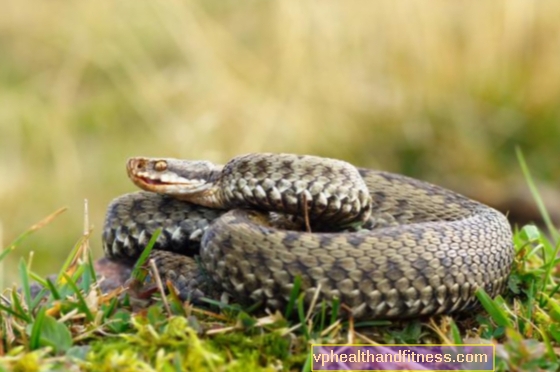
<point x="75" y="326"/>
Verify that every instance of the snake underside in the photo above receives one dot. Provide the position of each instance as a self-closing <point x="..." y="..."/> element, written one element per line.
<point x="423" y="250"/>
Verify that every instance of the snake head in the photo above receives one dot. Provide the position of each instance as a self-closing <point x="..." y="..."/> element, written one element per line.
<point x="183" y="179"/>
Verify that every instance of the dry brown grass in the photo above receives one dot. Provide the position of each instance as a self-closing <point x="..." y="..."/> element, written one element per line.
<point x="443" y="90"/>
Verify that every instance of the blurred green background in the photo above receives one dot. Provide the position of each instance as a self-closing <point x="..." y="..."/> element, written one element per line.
<point x="443" y="91"/>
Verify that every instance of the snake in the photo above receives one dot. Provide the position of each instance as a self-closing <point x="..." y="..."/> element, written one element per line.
<point x="265" y="226"/>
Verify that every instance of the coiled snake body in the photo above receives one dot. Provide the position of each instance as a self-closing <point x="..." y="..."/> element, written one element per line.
<point x="386" y="245"/>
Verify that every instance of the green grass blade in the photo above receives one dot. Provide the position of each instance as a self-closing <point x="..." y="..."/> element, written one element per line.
<point x="294" y="293"/>
<point x="540" y="204"/>
<point x="54" y="290"/>
<point x="335" y="309"/>
<point x="81" y="300"/>
<point x="455" y="333"/>
<point x="500" y="317"/>
<point x="323" y="315"/>
<point x="302" y="318"/>
<point x="71" y="258"/>
<point x="19" y="308"/>
<point x="108" y="310"/>
<point x="15" y="313"/>
<point x="554" y="290"/>
<point x="550" y="266"/>
<point x="30" y="231"/>
<point x="91" y="267"/>
<point x="35" y="338"/>
<point x="136" y="271"/>
<point x="7" y="251"/>
<point x="86" y="279"/>
<point x="38" y="299"/>
<point x="307" y="367"/>
<point x="25" y="288"/>
<point x="531" y="298"/>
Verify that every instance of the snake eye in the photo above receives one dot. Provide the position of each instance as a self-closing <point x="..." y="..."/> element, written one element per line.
<point x="160" y="165"/>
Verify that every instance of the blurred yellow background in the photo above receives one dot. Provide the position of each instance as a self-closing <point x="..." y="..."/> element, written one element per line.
<point x="442" y="91"/>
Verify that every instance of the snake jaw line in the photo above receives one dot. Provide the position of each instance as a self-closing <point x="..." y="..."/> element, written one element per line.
<point x="175" y="186"/>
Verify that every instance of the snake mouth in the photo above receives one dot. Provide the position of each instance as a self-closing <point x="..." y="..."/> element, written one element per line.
<point x="153" y="181"/>
<point x="178" y="186"/>
<point x="151" y="184"/>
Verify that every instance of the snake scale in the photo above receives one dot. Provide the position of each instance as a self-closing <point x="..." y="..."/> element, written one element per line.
<point x="387" y="246"/>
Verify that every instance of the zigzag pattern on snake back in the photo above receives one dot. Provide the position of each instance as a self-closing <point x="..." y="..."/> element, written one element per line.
<point x="398" y="248"/>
